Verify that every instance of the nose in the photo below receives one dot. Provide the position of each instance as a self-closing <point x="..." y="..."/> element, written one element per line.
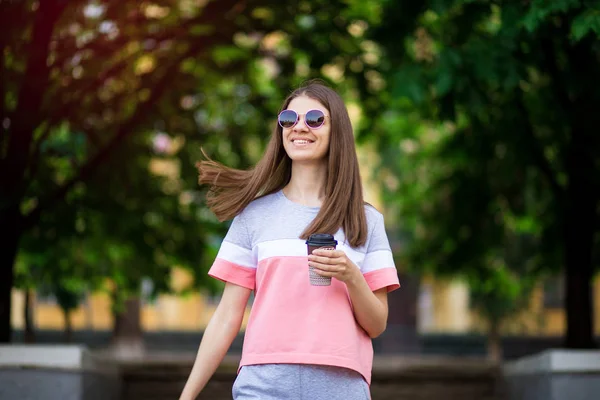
<point x="301" y="124"/>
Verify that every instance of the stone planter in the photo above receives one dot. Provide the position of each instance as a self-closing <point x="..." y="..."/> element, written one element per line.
<point x="554" y="375"/>
<point x="56" y="372"/>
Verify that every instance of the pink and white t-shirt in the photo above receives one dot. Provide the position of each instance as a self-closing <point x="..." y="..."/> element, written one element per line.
<point x="292" y="322"/>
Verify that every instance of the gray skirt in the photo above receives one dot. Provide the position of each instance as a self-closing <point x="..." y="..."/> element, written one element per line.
<point x="299" y="382"/>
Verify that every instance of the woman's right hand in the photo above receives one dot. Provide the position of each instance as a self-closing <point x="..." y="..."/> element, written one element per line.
<point x="223" y="327"/>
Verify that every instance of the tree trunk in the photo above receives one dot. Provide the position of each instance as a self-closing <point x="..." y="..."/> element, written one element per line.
<point x="581" y="197"/>
<point x="579" y="238"/>
<point x="29" y="335"/>
<point x="14" y="161"/>
<point x="127" y="340"/>
<point x="10" y="234"/>
<point x="494" y="342"/>
<point x="68" y="332"/>
<point x="579" y="101"/>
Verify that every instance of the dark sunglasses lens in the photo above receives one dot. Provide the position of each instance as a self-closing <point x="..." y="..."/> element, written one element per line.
<point x="287" y="118"/>
<point x="315" y="118"/>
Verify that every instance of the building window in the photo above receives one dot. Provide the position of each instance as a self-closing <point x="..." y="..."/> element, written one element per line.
<point x="46" y="297"/>
<point x="147" y="292"/>
<point x="554" y="292"/>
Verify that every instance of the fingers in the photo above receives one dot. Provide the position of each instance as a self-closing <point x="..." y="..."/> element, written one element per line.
<point x="325" y="266"/>
<point x="329" y="274"/>
<point x="328" y="263"/>
<point x="329" y="253"/>
<point x="331" y="257"/>
<point x="325" y="260"/>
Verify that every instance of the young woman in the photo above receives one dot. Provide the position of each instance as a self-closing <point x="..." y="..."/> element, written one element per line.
<point x="301" y="341"/>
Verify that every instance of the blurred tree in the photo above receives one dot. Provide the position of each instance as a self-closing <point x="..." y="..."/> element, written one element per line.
<point x="93" y="92"/>
<point x="497" y="297"/>
<point x="499" y="292"/>
<point x="68" y="300"/>
<point x="492" y="108"/>
<point x="99" y="68"/>
<point x="60" y="267"/>
<point x="25" y="282"/>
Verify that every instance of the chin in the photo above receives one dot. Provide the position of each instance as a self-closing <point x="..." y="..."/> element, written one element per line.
<point x="306" y="159"/>
<point x="306" y="155"/>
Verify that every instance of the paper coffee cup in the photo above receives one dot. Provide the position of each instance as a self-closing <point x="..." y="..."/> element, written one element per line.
<point x="319" y="241"/>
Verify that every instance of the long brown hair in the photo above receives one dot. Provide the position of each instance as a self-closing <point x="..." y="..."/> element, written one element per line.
<point x="231" y="190"/>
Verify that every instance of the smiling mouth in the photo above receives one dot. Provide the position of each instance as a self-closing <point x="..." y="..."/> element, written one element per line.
<point x="302" y="141"/>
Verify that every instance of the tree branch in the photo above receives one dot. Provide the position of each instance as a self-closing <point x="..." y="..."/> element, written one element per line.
<point x="125" y="129"/>
<point x="206" y="16"/>
<point x="57" y="115"/>
<point x="29" y="98"/>
<point x="559" y="87"/>
<point x="538" y="155"/>
<point x="211" y="12"/>
<point x="103" y="47"/>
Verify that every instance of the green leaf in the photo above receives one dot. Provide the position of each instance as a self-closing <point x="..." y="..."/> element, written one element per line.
<point x="586" y="23"/>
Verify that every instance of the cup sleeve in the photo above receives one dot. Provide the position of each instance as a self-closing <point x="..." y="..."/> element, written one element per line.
<point x="235" y="261"/>
<point x="378" y="267"/>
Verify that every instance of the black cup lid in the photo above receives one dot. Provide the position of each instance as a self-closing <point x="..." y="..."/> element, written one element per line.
<point x="321" y="239"/>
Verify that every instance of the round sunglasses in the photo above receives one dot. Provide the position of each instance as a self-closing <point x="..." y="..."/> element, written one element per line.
<point x="313" y="118"/>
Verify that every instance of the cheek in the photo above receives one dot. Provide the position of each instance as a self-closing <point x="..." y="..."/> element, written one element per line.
<point x="326" y="139"/>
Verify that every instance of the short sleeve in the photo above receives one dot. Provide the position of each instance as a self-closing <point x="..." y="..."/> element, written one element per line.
<point x="378" y="266"/>
<point x="235" y="260"/>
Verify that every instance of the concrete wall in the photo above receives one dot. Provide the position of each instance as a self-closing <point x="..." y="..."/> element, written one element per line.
<point x="554" y="375"/>
<point x="56" y="372"/>
<point x="53" y="384"/>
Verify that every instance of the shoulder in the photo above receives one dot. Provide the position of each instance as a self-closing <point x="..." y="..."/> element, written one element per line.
<point x="373" y="215"/>
<point x="377" y="239"/>
<point x="258" y="207"/>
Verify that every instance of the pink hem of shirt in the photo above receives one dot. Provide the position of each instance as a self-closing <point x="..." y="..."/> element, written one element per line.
<point x="385" y="277"/>
<point x="227" y="271"/>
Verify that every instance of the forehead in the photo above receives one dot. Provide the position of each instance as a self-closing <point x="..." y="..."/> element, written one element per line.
<point x="302" y="104"/>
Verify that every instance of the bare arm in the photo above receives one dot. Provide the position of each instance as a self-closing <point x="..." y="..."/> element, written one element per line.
<point x="218" y="336"/>
<point x="370" y="308"/>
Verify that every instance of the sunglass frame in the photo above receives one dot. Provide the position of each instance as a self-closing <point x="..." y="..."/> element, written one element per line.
<point x="298" y="118"/>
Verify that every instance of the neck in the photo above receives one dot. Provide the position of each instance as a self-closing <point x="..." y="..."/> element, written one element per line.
<point x="307" y="184"/>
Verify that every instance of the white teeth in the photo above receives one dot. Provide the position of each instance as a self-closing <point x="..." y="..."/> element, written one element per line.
<point x="299" y="141"/>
